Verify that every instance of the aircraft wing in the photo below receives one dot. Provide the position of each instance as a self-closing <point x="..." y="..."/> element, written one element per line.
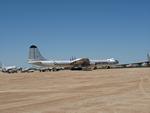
<point x="35" y="62"/>
<point x="81" y="62"/>
<point x="141" y="62"/>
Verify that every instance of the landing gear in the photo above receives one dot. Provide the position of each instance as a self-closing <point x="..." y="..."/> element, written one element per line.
<point x="108" y="67"/>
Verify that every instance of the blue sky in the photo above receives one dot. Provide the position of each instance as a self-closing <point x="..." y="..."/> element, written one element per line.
<point x="82" y="28"/>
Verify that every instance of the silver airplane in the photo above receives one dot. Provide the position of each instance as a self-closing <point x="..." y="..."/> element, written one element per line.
<point x="9" y="69"/>
<point x="35" y="58"/>
<point x="145" y="63"/>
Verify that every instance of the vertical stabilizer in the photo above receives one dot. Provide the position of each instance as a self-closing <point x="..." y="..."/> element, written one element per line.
<point x="148" y="57"/>
<point x="34" y="54"/>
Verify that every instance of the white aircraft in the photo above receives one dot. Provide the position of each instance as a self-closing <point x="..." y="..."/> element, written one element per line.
<point x="102" y="62"/>
<point x="9" y="69"/>
<point x="35" y="58"/>
<point x="145" y="63"/>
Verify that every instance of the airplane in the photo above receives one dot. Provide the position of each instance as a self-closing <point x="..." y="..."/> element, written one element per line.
<point x="108" y="63"/>
<point x="35" y="58"/>
<point x="10" y="69"/>
<point x="137" y="64"/>
<point x="142" y="64"/>
<point x="28" y="70"/>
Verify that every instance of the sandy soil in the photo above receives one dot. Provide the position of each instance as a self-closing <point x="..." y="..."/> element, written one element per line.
<point x="100" y="91"/>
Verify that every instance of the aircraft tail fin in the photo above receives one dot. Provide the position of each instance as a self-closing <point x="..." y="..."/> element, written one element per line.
<point x="148" y="57"/>
<point x="34" y="54"/>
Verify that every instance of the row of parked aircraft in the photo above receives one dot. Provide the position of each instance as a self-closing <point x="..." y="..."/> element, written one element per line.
<point x="15" y="69"/>
<point x="36" y="59"/>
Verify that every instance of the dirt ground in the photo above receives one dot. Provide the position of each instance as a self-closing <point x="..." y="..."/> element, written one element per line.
<point x="99" y="91"/>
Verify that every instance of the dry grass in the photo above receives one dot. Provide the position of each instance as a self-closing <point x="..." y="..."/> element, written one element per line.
<point x="100" y="91"/>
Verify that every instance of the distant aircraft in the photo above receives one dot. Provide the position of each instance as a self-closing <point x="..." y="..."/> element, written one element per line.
<point x="28" y="70"/>
<point x="137" y="64"/>
<point x="35" y="58"/>
<point x="148" y="57"/>
<point x="9" y="69"/>
<point x="110" y="61"/>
